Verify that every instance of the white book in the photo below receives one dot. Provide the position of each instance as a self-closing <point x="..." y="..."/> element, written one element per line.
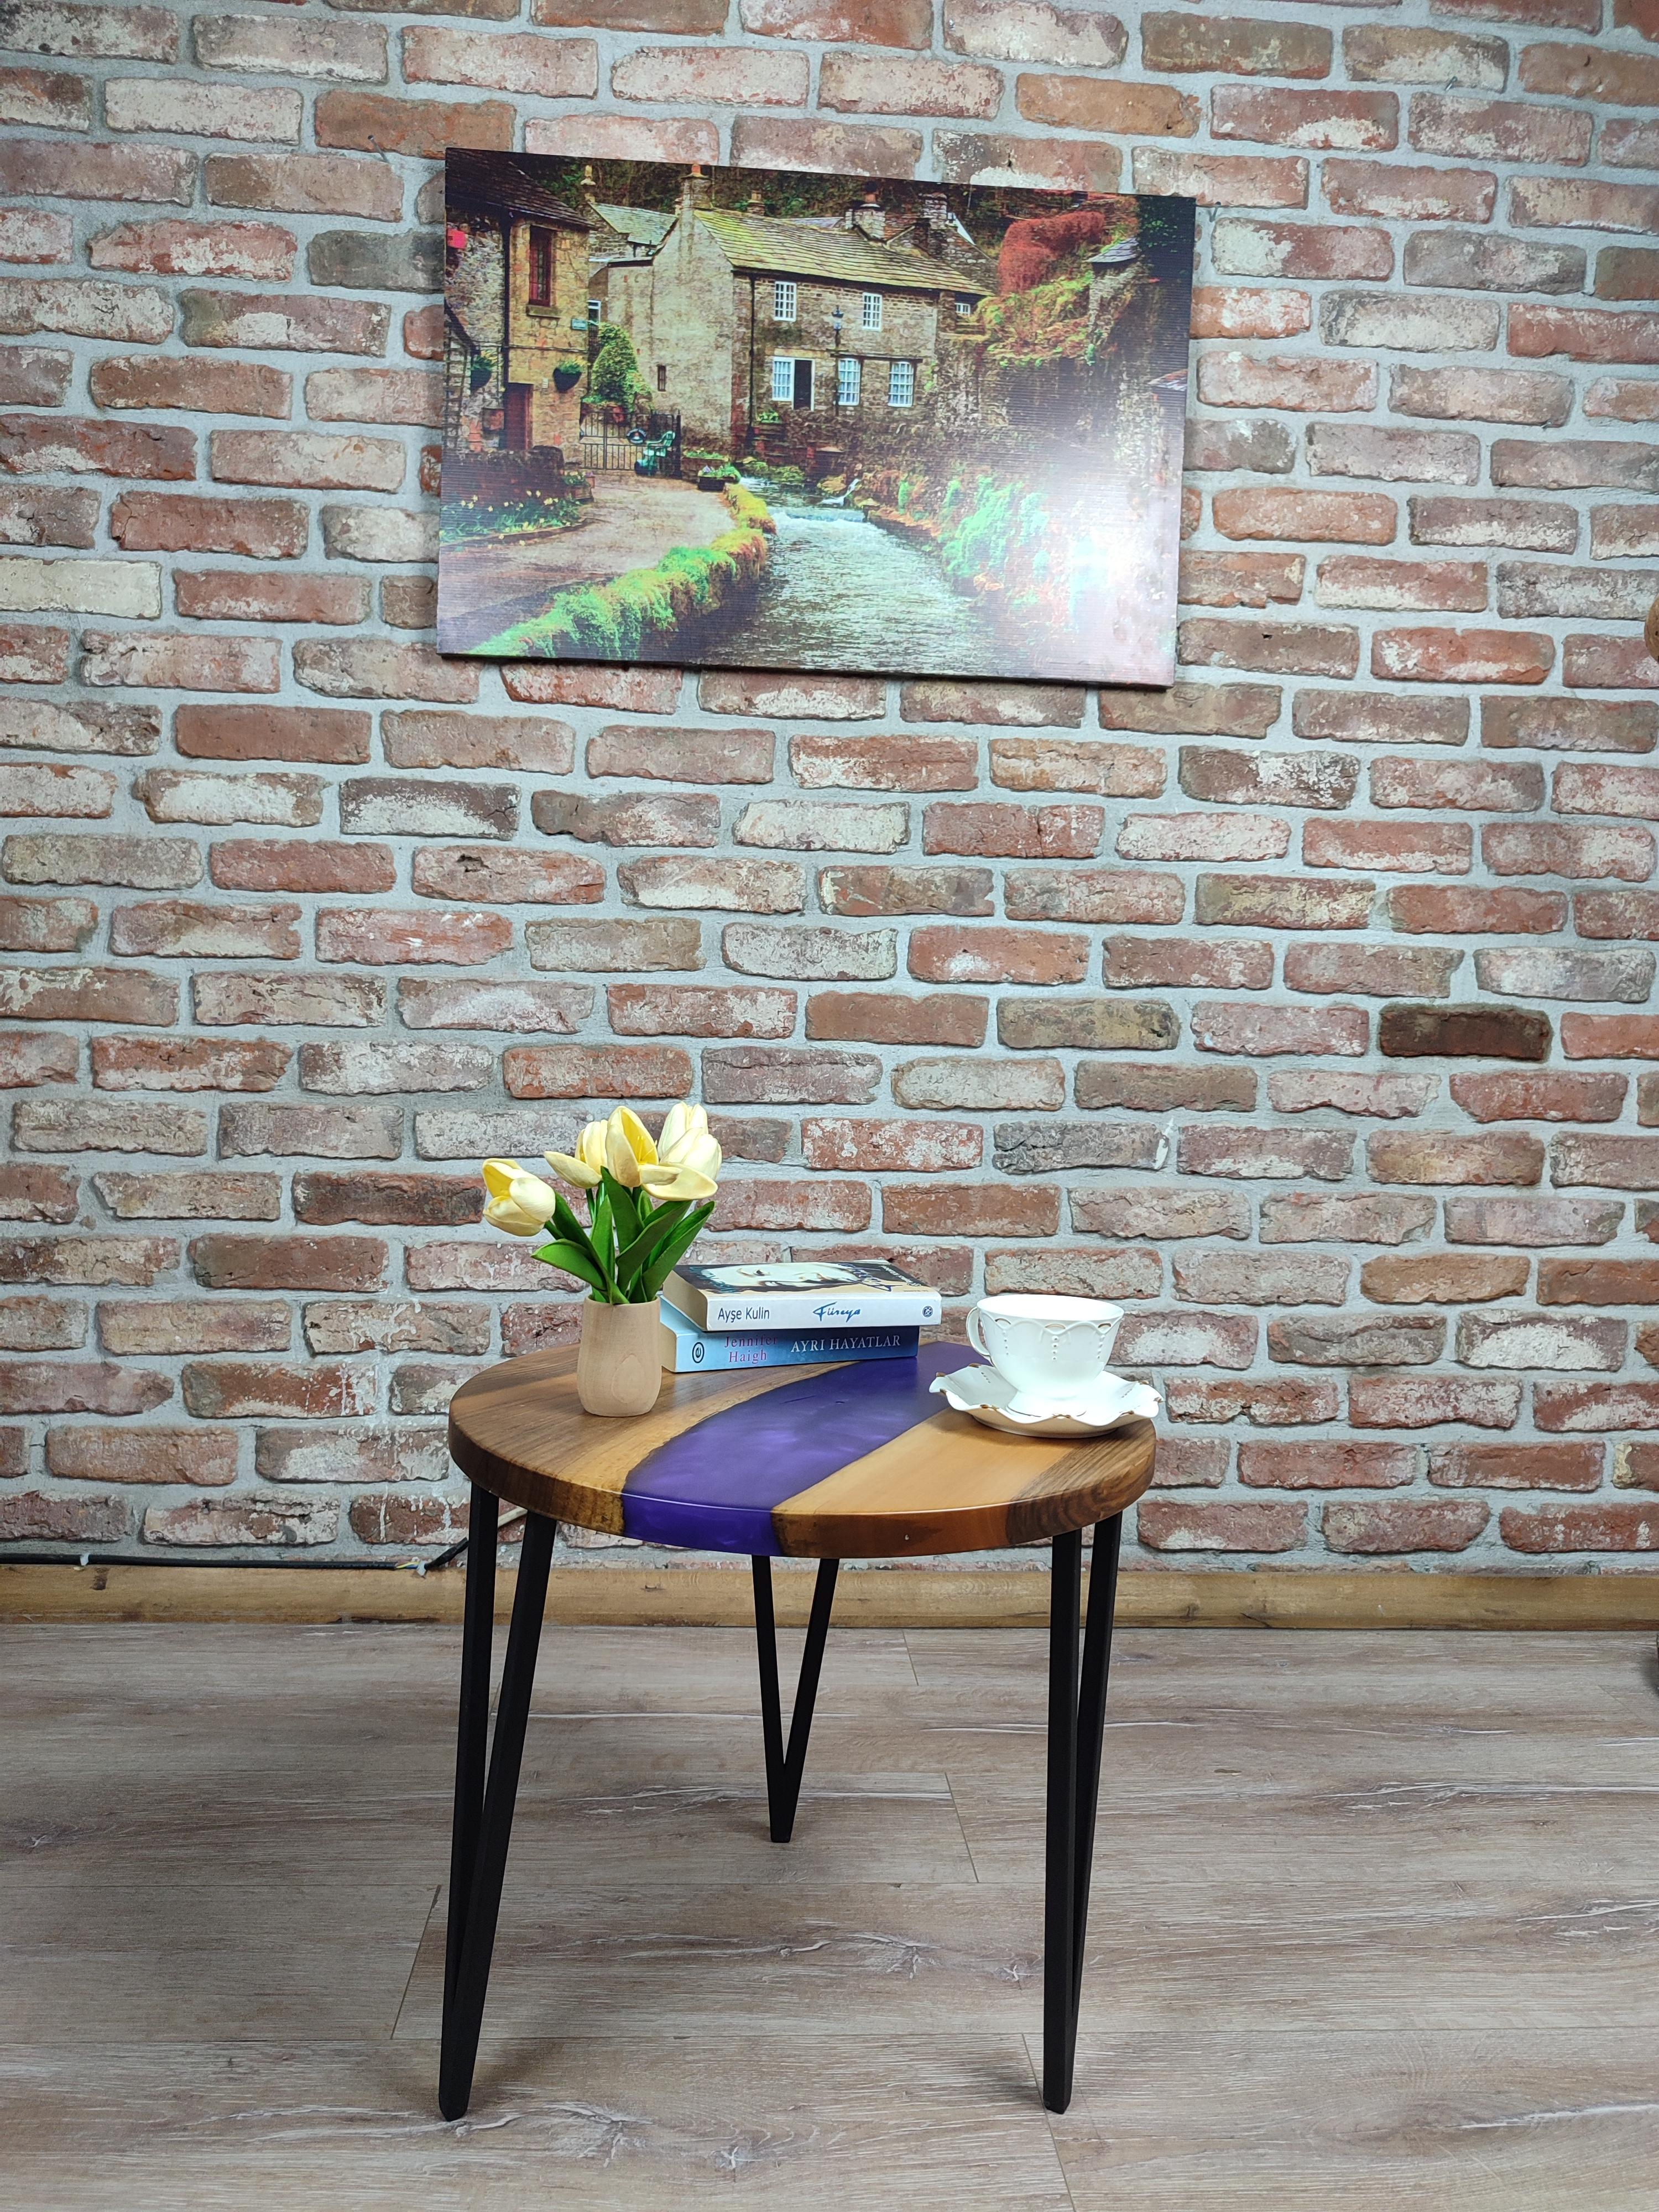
<point x="817" y="1295"/>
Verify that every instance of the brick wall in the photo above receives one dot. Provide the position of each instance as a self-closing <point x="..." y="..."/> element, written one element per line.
<point x="301" y="920"/>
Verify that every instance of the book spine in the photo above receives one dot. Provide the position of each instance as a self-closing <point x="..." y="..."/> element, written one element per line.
<point x="810" y="1313"/>
<point x="689" y="1350"/>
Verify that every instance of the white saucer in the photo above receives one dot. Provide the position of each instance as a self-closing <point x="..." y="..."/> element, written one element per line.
<point x="991" y="1398"/>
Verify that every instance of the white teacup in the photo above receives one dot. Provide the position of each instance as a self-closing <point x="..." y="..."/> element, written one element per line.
<point x="1052" y="1350"/>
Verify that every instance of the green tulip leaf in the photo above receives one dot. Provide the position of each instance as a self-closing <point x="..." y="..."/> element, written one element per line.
<point x="562" y="1254"/>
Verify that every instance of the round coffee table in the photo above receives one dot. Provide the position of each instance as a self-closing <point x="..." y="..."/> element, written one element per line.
<point x="827" y="1463"/>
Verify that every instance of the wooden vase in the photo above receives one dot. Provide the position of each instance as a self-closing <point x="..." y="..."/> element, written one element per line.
<point x="619" y="1360"/>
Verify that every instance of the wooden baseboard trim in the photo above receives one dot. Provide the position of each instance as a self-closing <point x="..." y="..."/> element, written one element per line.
<point x="875" y="1598"/>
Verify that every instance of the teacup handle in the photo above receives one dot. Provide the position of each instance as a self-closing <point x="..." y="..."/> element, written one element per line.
<point x="974" y="1336"/>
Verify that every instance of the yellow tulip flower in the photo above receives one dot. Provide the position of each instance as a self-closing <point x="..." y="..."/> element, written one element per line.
<point x="664" y="1181"/>
<point x="498" y="1177"/>
<point x="685" y="1119"/>
<point x="532" y="1195"/>
<point x="627" y="1147"/>
<point x="696" y="1149"/>
<point x="501" y="1213"/>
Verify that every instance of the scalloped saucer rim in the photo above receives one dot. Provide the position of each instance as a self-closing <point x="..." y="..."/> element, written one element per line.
<point x="987" y="1396"/>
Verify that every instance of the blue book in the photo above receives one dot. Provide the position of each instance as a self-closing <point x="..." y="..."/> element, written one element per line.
<point x="686" y="1348"/>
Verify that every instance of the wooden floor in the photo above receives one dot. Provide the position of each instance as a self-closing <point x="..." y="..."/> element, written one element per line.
<point x="1376" y="1924"/>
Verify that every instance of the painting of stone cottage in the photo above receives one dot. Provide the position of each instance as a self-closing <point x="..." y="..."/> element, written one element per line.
<point x="763" y="419"/>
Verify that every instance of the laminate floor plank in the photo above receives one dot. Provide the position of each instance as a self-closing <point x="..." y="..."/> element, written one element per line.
<point x="1374" y="1925"/>
<point x="1517" y="2121"/>
<point x="940" y="2123"/>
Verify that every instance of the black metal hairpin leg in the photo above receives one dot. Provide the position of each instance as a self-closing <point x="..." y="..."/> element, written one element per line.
<point x="784" y="1768"/>
<point x="484" y="1809"/>
<point x="1076" y="1719"/>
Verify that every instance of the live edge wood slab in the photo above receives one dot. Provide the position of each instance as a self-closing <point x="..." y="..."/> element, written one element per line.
<point x="842" y="1462"/>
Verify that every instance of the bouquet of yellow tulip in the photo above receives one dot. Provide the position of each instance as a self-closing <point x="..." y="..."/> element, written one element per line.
<point x="645" y="1201"/>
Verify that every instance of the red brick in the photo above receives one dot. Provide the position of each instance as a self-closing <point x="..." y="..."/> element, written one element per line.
<point x="1584" y="787"/>
<point x="1086" y="103"/>
<point x="1017" y="832"/>
<point x="226" y="1263"/>
<point x="470" y="871"/>
<point x="1223" y="179"/>
<point x="1517" y="1467"/>
<point x="1616" y="913"/>
<point x="33" y="1516"/>
<point x="1462" y="909"/>
<point x="1327" y="1466"/>
<point x="684" y="819"/>
<point x="38" y="444"/>
<point x="1274" y="1155"/>
<point x="254" y="864"/>
<point x="88" y="994"/>
<point x="80" y="1386"/>
<point x="377" y="937"/>
<point x="176" y="661"/>
<point x="1263" y="902"/>
<point x="761" y="1203"/>
<point x="1077" y="764"/>
<point x="361" y="1067"/>
<point x="940" y="954"/>
<point x="1555" y="1095"/>
<point x="751" y="1075"/>
<point x="885" y="763"/>
<point x="1441" y="847"/>
<point x="1237" y="779"/>
<point x="872" y="1147"/>
<point x="1442" y="1278"/>
<point x="1401" y="193"/>
<point x="136" y="1261"/>
<point x="381" y="123"/>
<point x="1348" y="122"/>
<point x="1402" y="587"/>
<point x="700" y="1010"/>
<point x="179" y="522"/>
<point x="1580" y="1529"/>
<point x="1479" y="785"/>
<point x="1445" y="1157"/>
<point x="1249" y="310"/>
<point x="970" y="1210"/>
<point x="885" y="1018"/>
<point x="1166" y="1524"/>
<point x="1203" y="837"/>
<point x="46" y="925"/>
<point x="596" y="1072"/>
<point x="1241" y="580"/>
<point x="1302" y="383"/>
<point x="237" y="595"/>
<point x="26" y="1060"/>
<point x="1198" y="710"/>
<point x="1500" y="129"/>
<point x="205" y="1458"/>
<point x="1258" y="1279"/>
<point x="1404" y="1525"/>
<point x="1279" y="1404"/>
<point x="1466" y="656"/>
<point x="394" y="1197"/>
<point x="1276" y="648"/>
<point x="30" y="1190"/>
<point x="1182" y="963"/>
<point x="187" y="1064"/>
<point x="1422" y="1401"/>
<point x="730" y="887"/>
<point x="1220" y="1026"/>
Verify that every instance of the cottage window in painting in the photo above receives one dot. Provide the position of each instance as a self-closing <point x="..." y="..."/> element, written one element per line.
<point x="768" y="419"/>
<point x="540" y="293"/>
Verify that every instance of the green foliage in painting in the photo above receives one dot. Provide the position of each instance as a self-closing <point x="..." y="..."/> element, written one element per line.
<point x="615" y="375"/>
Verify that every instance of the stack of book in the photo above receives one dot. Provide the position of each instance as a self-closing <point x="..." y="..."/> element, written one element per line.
<point x="792" y="1314"/>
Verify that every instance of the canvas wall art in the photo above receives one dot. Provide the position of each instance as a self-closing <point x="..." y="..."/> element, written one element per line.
<point x="763" y="419"/>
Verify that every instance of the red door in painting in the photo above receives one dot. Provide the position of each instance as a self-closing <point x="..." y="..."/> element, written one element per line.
<point x="519" y="397"/>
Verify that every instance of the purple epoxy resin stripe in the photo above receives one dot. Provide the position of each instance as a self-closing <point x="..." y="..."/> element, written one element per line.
<point x="714" y="1487"/>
